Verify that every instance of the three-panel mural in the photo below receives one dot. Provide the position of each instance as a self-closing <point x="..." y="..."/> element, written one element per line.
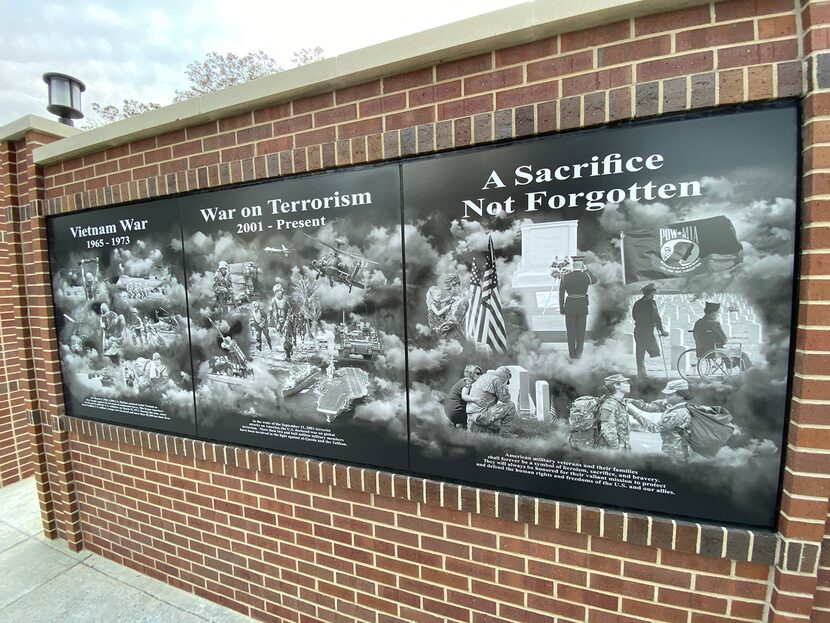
<point x="600" y="316"/>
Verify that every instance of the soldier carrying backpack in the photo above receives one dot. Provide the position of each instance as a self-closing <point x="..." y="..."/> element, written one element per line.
<point x="604" y="422"/>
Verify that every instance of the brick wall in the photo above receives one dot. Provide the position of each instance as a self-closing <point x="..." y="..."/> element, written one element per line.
<point x="288" y="539"/>
<point x="291" y="539"/>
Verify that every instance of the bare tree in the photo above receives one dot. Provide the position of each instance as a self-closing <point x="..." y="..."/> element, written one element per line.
<point x="212" y="73"/>
<point x="305" y="56"/>
<point x="220" y="71"/>
<point x="110" y="113"/>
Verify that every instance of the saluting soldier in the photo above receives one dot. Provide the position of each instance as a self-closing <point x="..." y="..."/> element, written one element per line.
<point x="646" y="320"/>
<point x="573" y="304"/>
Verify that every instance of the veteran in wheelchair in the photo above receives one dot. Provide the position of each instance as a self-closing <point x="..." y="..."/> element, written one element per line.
<point x="716" y="357"/>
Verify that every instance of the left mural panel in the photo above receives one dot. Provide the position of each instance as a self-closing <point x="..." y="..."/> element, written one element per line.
<point x="121" y="315"/>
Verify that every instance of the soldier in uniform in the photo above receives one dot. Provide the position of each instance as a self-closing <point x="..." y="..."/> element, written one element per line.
<point x="455" y="317"/>
<point x="489" y="408"/>
<point x="259" y="325"/>
<point x="646" y="320"/>
<point x="156" y="373"/>
<point x="573" y="304"/>
<point x="222" y="288"/>
<point x="676" y="421"/>
<point x="138" y="328"/>
<point x="89" y="286"/>
<point x="112" y="327"/>
<point x="707" y="331"/>
<point x="278" y="307"/>
<point x="250" y="275"/>
<point x="614" y="426"/>
<point x="290" y="335"/>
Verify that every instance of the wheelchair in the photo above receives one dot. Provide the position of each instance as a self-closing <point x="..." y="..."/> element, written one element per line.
<point x="716" y="365"/>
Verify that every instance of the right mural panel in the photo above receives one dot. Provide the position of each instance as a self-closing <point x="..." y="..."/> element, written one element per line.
<point x="605" y="316"/>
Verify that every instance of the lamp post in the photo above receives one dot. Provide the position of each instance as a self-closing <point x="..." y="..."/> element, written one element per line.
<point x="64" y="97"/>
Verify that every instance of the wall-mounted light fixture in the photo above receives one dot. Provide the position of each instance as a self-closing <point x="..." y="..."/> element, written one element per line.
<point x="64" y="96"/>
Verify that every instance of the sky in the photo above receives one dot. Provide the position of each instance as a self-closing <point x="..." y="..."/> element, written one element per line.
<point x="139" y="50"/>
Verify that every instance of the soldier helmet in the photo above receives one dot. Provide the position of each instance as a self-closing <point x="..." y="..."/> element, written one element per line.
<point x="649" y="287"/>
<point x="711" y="307"/>
<point x="88" y="276"/>
<point x="104" y="308"/>
<point x="278" y="287"/>
<point x="672" y="387"/>
<point x="223" y="264"/>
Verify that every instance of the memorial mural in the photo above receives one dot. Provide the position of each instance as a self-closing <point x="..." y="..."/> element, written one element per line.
<point x="295" y="292"/>
<point x="121" y="315"/>
<point x="599" y="316"/>
<point x="604" y="316"/>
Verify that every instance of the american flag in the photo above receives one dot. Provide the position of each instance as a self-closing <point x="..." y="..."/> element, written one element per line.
<point x="474" y="309"/>
<point x="485" y="321"/>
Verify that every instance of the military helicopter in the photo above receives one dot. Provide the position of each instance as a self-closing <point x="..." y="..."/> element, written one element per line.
<point x="336" y="267"/>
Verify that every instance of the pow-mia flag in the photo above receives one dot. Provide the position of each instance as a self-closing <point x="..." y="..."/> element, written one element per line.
<point x="680" y="250"/>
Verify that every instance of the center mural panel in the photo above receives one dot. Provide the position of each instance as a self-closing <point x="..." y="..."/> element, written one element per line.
<point x="604" y="316"/>
<point x="295" y="292"/>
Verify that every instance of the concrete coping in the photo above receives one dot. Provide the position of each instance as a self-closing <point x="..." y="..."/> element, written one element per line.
<point x="18" y="128"/>
<point x="523" y="23"/>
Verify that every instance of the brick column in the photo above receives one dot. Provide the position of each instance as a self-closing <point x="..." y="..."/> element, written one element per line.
<point x="32" y="440"/>
<point x="796" y="594"/>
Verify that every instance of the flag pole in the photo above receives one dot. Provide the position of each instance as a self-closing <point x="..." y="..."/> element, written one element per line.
<point x="622" y="255"/>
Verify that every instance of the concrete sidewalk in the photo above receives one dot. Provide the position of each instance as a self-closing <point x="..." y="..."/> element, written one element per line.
<point x="42" y="581"/>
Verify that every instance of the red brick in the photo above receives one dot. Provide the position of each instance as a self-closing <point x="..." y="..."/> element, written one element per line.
<point x="675" y="66"/>
<point x="596" y="81"/>
<point x="381" y="105"/>
<point x="459" y="108"/>
<point x="760" y="82"/>
<point x="255" y="133"/>
<point x="310" y="104"/>
<point x="773" y="27"/>
<point x="635" y="50"/>
<point x="435" y="93"/>
<point x="586" y="597"/>
<point x="773" y="52"/>
<point x="537" y="93"/>
<point x="493" y="80"/>
<point x="731" y="86"/>
<point x="408" y="80"/>
<point x="358" y="92"/>
<point x="714" y="36"/>
<point x="463" y="67"/>
<point x="672" y="20"/>
<point x="595" y="36"/>
<point x="526" y="52"/>
<point x="335" y="115"/>
<point x="359" y="128"/>
<point x="560" y="66"/>
<point x="737" y="9"/>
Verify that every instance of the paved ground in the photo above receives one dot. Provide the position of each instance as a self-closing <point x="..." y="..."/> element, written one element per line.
<point x="42" y="581"/>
